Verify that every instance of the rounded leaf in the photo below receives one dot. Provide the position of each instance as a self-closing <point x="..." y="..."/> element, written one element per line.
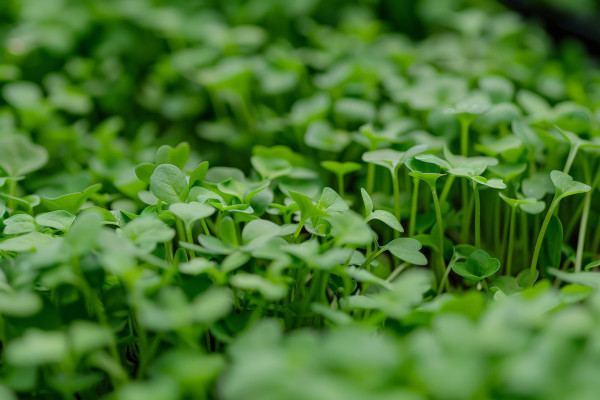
<point x="168" y="184"/>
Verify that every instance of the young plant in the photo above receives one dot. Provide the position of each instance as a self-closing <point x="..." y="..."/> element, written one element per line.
<point x="564" y="186"/>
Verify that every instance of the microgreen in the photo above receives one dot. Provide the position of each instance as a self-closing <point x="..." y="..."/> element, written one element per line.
<point x="192" y="204"/>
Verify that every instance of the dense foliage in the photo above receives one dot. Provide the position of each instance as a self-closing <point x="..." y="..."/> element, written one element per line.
<point x="301" y="200"/>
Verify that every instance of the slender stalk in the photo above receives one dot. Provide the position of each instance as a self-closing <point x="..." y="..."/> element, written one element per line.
<point x="464" y="136"/>
<point x="396" y="190"/>
<point x="413" y="207"/>
<point x="12" y="191"/>
<point x="447" y="187"/>
<point x="397" y="272"/>
<point x="587" y="202"/>
<point x="340" y="178"/>
<point x="370" y="178"/>
<point x="299" y="228"/>
<point x="511" y="241"/>
<point x="570" y="159"/>
<point x="477" y="216"/>
<point x="538" y="243"/>
<point x="205" y="227"/>
<point x="438" y="216"/>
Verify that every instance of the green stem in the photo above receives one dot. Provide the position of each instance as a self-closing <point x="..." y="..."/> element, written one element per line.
<point x="464" y="136"/>
<point x="466" y="215"/>
<point x="477" y="217"/>
<point x="370" y="178"/>
<point x="570" y="159"/>
<point x="538" y="243"/>
<point x="397" y="272"/>
<point x="340" y="178"/>
<point x="12" y="191"/>
<point x="299" y="228"/>
<point x="413" y="207"/>
<point x="447" y="187"/>
<point x="205" y="227"/>
<point x="440" y="224"/>
<point x="190" y="239"/>
<point x="396" y="190"/>
<point x="511" y="240"/>
<point x="582" y="231"/>
<point x="587" y="202"/>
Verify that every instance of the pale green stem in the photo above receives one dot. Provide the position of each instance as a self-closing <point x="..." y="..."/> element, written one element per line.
<point x="538" y="243"/>
<point x="397" y="272"/>
<point x="477" y="217"/>
<point x="396" y="190"/>
<point x="582" y="229"/>
<point x="340" y="178"/>
<point x="511" y="240"/>
<point x="440" y="224"/>
<point x="446" y="189"/>
<point x="370" y="178"/>
<point x="570" y="159"/>
<point x="413" y="207"/>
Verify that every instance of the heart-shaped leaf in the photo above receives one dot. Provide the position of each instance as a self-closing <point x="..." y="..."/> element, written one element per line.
<point x="19" y="156"/>
<point x="566" y="186"/>
<point x="479" y="265"/>
<point x="168" y="184"/>
<point x="407" y="249"/>
<point x="191" y="212"/>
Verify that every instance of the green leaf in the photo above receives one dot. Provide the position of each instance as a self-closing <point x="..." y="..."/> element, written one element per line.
<point x="60" y="220"/>
<point x="367" y="201"/>
<point x="590" y="279"/>
<point x="71" y="202"/>
<point x="177" y="156"/>
<point x="199" y="173"/>
<point x="407" y="249"/>
<point x="306" y="207"/>
<point x="211" y="305"/>
<point x="19" y="223"/>
<point x="428" y="178"/>
<point x="85" y="230"/>
<point x="341" y="168"/>
<point x="350" y="228"/>
<point x="331" y="201"/>
<point x="304" y="111"/>
<point x="36" y="348"/>
<point x="271" y="168"/>
<point x="322" y="135"/>
<point x="26" y="242"/>
<point x="20" y="304"/>
<point x="168" y="184"/>
<point x="392" y="159"/>
<point x="86" y="336"/>
<point x="147" y="231"/>
<point x="566" y="186"/>
<point x="144" y="171"/>
<point x="19" y="156"/>
<point x="479" y="265"/>
<point x="191" y="212"/>
<point x="387" y="218"/>
<point x="250" y="282"/>
<point x="228" y="231"/>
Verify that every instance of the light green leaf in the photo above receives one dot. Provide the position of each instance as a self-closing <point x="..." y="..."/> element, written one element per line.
<point x="566" y="186"/>
<point x="60" y="220"/>
<point x="26" y="242"/>
<point x="19" y="156"/>
<point x="168" y="184"/>
<point x="479" y="265"/>
<point x="19" y="223"/>
<point x="407" y="249"/>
